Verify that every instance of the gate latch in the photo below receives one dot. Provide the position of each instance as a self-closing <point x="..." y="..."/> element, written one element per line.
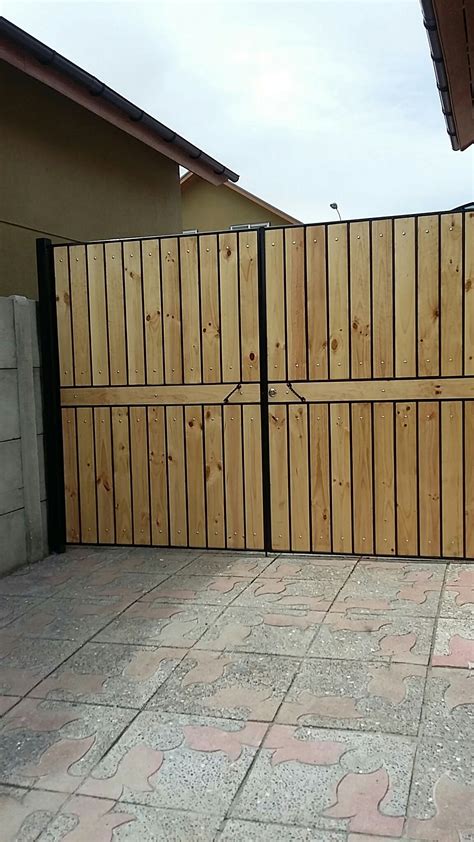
<point x="232" y="392"/>
<point x="300" y="397"/>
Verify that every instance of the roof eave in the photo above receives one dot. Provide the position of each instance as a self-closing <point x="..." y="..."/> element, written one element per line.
<point x="431" y="26"/>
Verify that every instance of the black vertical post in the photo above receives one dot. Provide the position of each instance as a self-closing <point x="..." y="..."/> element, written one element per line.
<point x="263" y="350"/>
<point x="52" y="427"/>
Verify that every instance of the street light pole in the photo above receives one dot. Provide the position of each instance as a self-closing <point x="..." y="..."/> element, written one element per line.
<point x="334" y="206"/>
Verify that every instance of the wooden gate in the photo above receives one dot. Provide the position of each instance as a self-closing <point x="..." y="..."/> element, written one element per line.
<point x="306" y="389"/>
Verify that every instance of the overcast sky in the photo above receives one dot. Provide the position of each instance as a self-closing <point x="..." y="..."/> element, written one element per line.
<point x="311" y="102"/>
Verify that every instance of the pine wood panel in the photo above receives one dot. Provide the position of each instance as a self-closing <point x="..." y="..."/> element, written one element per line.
<point x="279" y="498"/>
<point x="384" y="479"/>
<point x="157" y="456"/>
<point x="194" y="428"/>
<point x="341" y="478"/>
<point x="248" y="274"/>
<point x="80" y="316"/>
<point x="360" y="297"/>
<point x="122" y="478"/>
<point x="296" y="303"/>
<point x="230" y="306"/>
<point x="210" y="311"/>
<point x="234" y="479"/>
<point x="251" y="421"/>
<point x="320" y="478"/>
<point x="155" y="395"/>
<point x="134" y="312"/>
<point x="406" y="474"/>
<point x="114" y="283"/>
<point x="316" y="291"/>
<point x="382" y="298"/>
<point x="176" y="476"/>
<point x="452" y="468"/>
<point x="276" y="324"/>
<point x="190" y="306"/>
<point x="339" y="341"/>
<point x="362" y="471"/>
<point x="87" y="478"/>
<point x="405" y="298"/>
<point x="469" y="476"/>
<point x="372" y="390"/>
<point x="299" y="478"/>
<point x="71" y="485"/>
<point x="104" y="475"/>
<point x="214" y="468"/>
<point x="469" y="294"/>
<point x="98" y="315"/>
<point x="451" y="295"/>
<point x="139" y="468"/>
<point x="428" y="296"/>
<point x="63" y="315"/>
<point x="170" y="282"/>
<point x="429" y="490"/>
<point x="153" y="311"/>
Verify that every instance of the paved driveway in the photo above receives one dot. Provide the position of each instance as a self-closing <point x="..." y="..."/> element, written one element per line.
<point x="150" y="695"/>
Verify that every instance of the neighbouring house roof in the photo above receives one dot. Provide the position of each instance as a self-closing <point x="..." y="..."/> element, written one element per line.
<point x="450" y="28"/>
<point x="188" y="177"/>
<point x="31" y="56"/>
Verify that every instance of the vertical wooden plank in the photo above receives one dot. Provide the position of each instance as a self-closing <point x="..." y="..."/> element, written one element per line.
<point x="80" y="316"/>
<point x="140" y="486"/>
<point x="214" y="476"/>
<point x="98" y="315"/>
<point x="104" y="475"/>
<point x="248" y="274"/>
<point x="279" y="478"/>
<point x="176" y="476"/>
<point x="195" y="476"/>
<point x="296" y="302"/>
<point x="190" y="309"/>
<point x="361" y="327"/>
<point x="63" y="315"/>
<point x="299" y="478"/>
<point x="341" y="478"/>
<point x="452" y="474"/>
<point x="87" y="477"/>
<point x="134" y="312"/>
<point x="253" y="477"/>
<point x="317" y="302"/>
<point x="211" y="328"/>
<point x="338" y="302"/>
<point x="428" y="296"/>
<point x="469" y="293"/>
<point x="276" y="334"/>
<point x="122" y="487"/>
<point x="407" y="528"/>
<point x="158" y="478"/>
<point x="170" y="281"/>
<point x="469" y="477"/>
<point x="320" y="477"/>
<point x="71" y="487"/>
<point x="451" y="294"/>
<point x="428" y="462"/>
<point x="153" y="315"/>
<point x="116" y="313"/>
<point x="234" y="480"/>
<point x="230" y="303"/>
<point x="362" y="498"/>
<point x="405" y="298"/>
<point x="384" y="479"/>
<point x="382" y="298"/>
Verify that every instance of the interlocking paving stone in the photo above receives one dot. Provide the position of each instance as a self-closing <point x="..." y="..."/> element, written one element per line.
<point x="68" y="619"/>
<point x="196" y="763"/>
<point x="325" y="571"/>
<point x="288" y="593"/>
<point x="329" y="779"/>
<point x="449" y="703"/>
<point x="53" y="745"/>
<point x="164" y="625"/>
<point x="401" y="588"/>
<point x="362" y="696"/>
<point x="241" y="831"/>
<point x="200" y="590"/>
<point x="23" y="664"/>
<point x="220" y="564"/>
<point x="103" y="820"/>
<point x="454" y="643"/>
<point x="110" y="673"/>
<point x="441" y="804"/>
<point x="106" y="581"/>
<point x="7" y="702"/>
<point x="12" y="607"/>
<point x="25" y="813"/>
<point x="458" y="593"/>
<point x="235" y="686"/>
<point x="258" y="630"/>
<point x="356" y="636"/>
<point x="154" y="561"/>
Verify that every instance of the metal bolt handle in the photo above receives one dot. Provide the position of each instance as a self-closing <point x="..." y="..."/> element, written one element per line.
<point x="272" y="392"/>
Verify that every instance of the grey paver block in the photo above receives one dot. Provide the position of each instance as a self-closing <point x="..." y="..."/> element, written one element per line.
<point x="12" y="607"/>
<point x="22" y="664"/>
<point x="200" y="590"/>
<point x="454" y="643"/>
<point x="262" y="630"/>
<point x="449" y="703"/>
<point x="323" y="571"/>
<point x="25" y="813"/>
<point x="163" y="625"/>
<point x="68" y="619"/>
<point x="457" y="599"/>
<point x="289" y="593"/>
<point x="401" y="588"/>
<point x="241" y="831"/>
<point x="228" y="564"/>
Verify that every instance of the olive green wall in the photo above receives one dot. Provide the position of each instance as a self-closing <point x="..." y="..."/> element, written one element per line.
<point x="210" y="208"/>
<point x="67" y="174"/>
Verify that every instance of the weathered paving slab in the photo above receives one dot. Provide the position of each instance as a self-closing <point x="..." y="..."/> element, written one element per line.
<point x="241" y="831"/>
<point x="401" y="588"/>
<point x="23" y="665"/>
<point x="160" y="624"/>
<point x="334" y="571"/>
<point x="229" y="564"/>
<point x="454" y="643"/>
<point x="271" y="632"/>
<point x="200" y="590"/>
<point x="449" y="703"/>
<point x="68" y="619"/>
<point x="24" y="813"/>
<point x="151" y="560"/>
<point x="230" y="685"/>
<point x="458" y="594"/>
<point x="7" y="702"/>
<point x="274" y="594"/>
<point x="12" y="607"/>
<point x="106" y="581"/>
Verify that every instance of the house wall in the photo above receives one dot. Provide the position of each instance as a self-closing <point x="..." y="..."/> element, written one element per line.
<point x="69" y="175"/>
<point x="210" y="208"/>
<point x="22" y="485"/>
